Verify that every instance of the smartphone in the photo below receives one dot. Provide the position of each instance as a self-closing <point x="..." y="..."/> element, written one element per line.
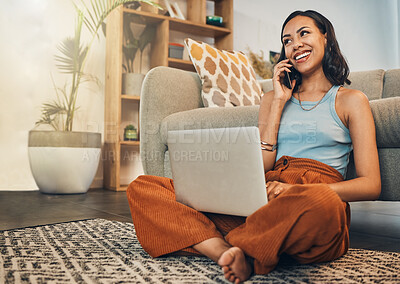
<point x="289" y="76"/>
<point x="289" y="81"/>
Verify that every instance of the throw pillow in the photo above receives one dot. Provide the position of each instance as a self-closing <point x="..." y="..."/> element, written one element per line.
<point x="227" y="77"/>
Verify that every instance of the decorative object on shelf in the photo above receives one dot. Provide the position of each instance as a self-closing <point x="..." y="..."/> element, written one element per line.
<point x="130" y="133"/>
<point x="132" y="83"/>
<point x="131" y="80"/>
<point x="133" y="5"/>
<point x="227" y="76"/>
<point x="173" y="10"/>
<point x="177" y="11"/>
<point x="215" y="21"/>
<point x="63" y="161"/>
<point x="263" y="68"/>
<point x="274" y="57"/>
<point x="175" y="50"/>
<point x="169" y="9"/>
<point x="150" y="7"/>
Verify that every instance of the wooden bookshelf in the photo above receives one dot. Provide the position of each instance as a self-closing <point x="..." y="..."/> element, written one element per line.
<point x="130" y="97"/>
<point x="181" y="64"/>
<point x="194" y="26"/>
<point x="130" y="143"/>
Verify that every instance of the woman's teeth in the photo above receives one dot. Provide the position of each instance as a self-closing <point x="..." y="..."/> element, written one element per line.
<point x="302" y="55"/>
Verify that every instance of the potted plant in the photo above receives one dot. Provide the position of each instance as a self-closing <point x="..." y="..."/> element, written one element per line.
<point x="130" y="133"/>
<point x="132" y="79"/>
<point x="64" y="161"/>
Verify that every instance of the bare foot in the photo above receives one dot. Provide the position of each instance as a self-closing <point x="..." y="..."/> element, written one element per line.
<point x="235" y="265"/>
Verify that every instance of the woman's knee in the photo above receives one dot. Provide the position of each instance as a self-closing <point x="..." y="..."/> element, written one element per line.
<point x="137" y="185"/>
<point x="150" y="188"/>
<point x="141" y="187"/>
<point x="326" y="208"/>
<point x="324" y="229"/>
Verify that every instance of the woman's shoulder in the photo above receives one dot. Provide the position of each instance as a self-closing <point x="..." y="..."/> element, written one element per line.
<point x="351" y="103"/>
<point x="351" y="97"/>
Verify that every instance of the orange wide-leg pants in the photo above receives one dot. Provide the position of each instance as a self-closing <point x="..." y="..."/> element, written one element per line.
<point x="309" y="222"/>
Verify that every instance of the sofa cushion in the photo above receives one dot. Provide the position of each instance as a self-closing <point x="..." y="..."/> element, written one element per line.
<point x="388" y="162"/>
<point x="385" y="112"/>
<point x="387" y="121"/>
<point x="391" y="84"/>
<point x="368" y="82"/>
<point x="209" y="118"/>
<point x="227" y="77"/>
<point x="266" y="85"/>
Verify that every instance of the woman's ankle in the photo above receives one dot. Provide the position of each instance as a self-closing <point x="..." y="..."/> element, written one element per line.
<point x="213" y="248"/>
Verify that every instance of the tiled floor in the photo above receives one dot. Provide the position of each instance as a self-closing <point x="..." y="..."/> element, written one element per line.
<point x="31" y="208"/>
<point x="375" y="225"/>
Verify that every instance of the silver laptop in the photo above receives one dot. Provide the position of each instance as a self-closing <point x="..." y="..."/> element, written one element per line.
<point x="218" y="170"/>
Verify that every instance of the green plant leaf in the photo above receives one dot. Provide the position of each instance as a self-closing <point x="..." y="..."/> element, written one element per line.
<point x="66" y="62"/>
<point x="130" y="53"/>
<point x="104" y="28"/>
<point x="72" y="58"/>
<point x="128" y="34"/>
<point x="147" y="36"/>
<point x="91" y="78"/>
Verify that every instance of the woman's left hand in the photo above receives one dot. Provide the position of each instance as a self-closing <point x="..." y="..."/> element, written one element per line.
<point x="274" y="188"/>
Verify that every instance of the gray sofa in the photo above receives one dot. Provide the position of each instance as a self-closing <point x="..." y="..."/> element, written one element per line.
<point x="171" y="100"/>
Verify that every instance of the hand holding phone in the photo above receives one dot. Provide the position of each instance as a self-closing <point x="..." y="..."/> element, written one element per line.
<point x="289" y="76"/>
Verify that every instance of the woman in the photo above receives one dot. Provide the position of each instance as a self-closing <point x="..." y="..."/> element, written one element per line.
<point x="307" y="133"/>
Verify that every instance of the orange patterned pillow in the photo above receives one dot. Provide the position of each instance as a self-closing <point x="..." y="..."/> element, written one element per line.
<point x="227" y="77"/>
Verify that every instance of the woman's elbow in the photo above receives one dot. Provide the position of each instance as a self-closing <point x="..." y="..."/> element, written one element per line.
<point x="376" y="189"/>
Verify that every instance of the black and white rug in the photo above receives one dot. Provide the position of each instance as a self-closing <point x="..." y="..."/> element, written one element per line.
<point x="101" y="251"/>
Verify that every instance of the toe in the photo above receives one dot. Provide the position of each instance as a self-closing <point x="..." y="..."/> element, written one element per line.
<point x="228" y="274"/>
<point x="225" y="269"/>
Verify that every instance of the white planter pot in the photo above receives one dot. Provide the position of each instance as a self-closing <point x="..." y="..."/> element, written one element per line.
<point x="64" y="162"/>
<point x="132" y="83"/>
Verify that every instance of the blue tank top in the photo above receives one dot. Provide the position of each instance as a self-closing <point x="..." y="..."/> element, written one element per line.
<point x="318" y="134"/>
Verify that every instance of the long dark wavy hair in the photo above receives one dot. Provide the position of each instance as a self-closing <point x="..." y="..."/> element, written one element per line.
<point x="334" y="64"/>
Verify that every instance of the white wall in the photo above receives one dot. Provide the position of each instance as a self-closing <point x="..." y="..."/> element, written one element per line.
<point x="30" y="32"/>
<point x="367" y="30"/>
<point x="398" y="30"/>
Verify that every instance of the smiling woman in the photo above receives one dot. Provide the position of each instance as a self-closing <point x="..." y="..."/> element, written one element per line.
<point x="314" y="29"/>
<point x="305" y="147"/>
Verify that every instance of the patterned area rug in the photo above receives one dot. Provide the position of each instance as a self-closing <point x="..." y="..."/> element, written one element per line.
<point x="101" y="251"/>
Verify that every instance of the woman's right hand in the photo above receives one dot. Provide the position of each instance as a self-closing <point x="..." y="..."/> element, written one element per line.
<point x="281" y="92"/>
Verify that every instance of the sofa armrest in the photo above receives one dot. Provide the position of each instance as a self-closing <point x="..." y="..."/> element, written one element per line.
<point x="165" y="91"/>
<point x="212" y="117"/>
